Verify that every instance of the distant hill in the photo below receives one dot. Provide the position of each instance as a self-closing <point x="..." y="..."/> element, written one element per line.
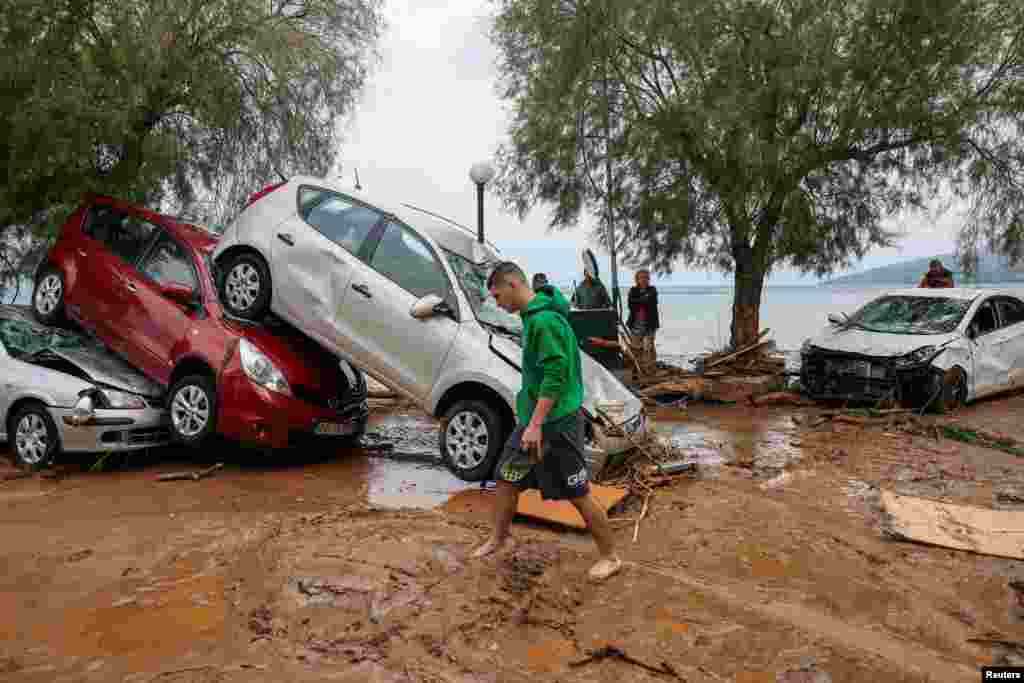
<point x="992" y="269"/>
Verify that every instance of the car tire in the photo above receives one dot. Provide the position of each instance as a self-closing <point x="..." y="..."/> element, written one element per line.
<point x="48" y="297"/>
<point x="192" y="404"/>
<point x="33" y="437"/>
<point x="245" y="286"/>
<point x="953" y="394"/>
<point x="472" y="437"/>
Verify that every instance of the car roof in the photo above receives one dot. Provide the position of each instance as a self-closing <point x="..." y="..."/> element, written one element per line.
<point x="959" y="293"/>
<point x="448" y="234"/>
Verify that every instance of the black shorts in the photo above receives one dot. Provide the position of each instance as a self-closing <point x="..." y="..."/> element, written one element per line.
<point x="562" y="473"/>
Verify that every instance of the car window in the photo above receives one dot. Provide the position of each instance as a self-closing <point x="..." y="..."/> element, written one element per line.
<point x="168" y="262"/>
<point x="345" y="223"/>
<point x="895" y="314"/>
<point x="123" y="233"/>
<point x="405" y="259"/>
<point x="23" y="338"/>
<point x="984" y="320"/>
<point x="1011" y="311"/>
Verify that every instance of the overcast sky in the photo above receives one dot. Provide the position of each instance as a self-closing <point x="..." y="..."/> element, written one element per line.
<point x="430" y="111"/>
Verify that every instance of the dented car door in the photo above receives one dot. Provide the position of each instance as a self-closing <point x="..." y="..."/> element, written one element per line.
<point x="313" y="268"/>
<point x="988" y="346"/>
<point x="1011" y="319"/>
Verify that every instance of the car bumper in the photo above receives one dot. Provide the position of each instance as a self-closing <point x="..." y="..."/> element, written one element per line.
<point x="112" y="430"/>
<point x="257" y="416"/>
<point x="863" y="378"/>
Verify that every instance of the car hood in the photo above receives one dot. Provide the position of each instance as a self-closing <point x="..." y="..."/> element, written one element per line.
<point x="881" y="344"/>
<point x="103" y="367"/>
<point x="598" y="383"/>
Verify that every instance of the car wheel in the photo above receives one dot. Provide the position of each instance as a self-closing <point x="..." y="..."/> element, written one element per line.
<point x="48" y="297"/>
<point x="953" y="394"/>
<point x="472" y="439"/>
<point x="245" y="286"/>
<point x="33" y="437"/>
<point x="192" y="404"/>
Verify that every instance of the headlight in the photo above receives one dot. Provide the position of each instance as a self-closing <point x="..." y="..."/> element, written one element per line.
<point x="917" y="357"/>
<point x="121" y="400"/>
<point x="83" y="410"/>
<point x="260" y="370"/>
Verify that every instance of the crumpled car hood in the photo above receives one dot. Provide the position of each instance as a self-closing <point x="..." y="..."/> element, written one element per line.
<point x="105" y="368"/>
<point x="853" y="340"/>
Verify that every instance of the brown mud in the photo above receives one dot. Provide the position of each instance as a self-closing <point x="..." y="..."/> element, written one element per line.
<point x="343" y="565"/>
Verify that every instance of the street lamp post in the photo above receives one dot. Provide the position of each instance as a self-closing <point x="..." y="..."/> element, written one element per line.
<point x="481" y="173"/>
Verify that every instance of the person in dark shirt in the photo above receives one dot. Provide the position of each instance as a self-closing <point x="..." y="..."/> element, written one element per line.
<point x="937" y="276"/>
<point x="643" y="321"/>
<point x="591" y="293"/>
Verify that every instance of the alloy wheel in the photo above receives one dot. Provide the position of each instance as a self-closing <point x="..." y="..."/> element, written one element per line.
<point x="242" y="286"/>
<point x="467" y="439"/>
<point x="190" y="410"/>
<point x="48" y="294"/>
<point x="32" y="439"/>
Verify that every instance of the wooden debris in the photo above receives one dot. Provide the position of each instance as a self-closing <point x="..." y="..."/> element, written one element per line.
<point x="643" y="513"/>
<point x="194" y="476"/>
<point x="741" y="352"/>
<point x="689" y="385"/>
<point x="780" y="398"/>
<point x="999" y="533"/>
<point x="562" y="511"/>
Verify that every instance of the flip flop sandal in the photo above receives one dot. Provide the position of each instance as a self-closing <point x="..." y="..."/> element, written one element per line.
<point x="605" y="569"/>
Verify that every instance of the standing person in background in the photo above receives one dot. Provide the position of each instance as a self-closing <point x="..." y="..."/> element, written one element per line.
<point x="591" y="293"/>
<point x="937" y="276"/>
<point x="546" y="450"/>
<point x="539" y="280"/>
<point x="643" y="321"/>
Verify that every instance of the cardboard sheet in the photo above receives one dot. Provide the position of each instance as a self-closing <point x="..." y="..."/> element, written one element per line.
<point x="980" y="530"/>
<point x="562" y="511"/>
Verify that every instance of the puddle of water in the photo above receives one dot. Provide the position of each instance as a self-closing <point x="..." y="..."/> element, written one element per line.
<point x="712" y="438"/>
<point x="397" y="484"/>
<point x="409" y="436"/>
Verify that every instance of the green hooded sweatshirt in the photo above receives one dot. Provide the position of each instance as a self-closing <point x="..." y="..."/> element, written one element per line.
<point x="551" y="358"/>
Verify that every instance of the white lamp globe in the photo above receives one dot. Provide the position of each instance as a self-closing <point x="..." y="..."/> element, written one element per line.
<point x="481" y="173"/>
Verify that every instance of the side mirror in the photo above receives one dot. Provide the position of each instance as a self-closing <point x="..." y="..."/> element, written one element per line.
<point x="429" y="306"/>
<point x="179" y="293"/>
<point x="835" y="319"/>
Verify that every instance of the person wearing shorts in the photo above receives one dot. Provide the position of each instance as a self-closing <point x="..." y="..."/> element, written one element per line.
<point x="545" y="451"/>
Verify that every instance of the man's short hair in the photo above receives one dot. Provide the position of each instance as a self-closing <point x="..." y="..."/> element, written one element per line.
<point x="503" y="271"/>
<point x="935" y="262"/>
<point x="643" y="271"/>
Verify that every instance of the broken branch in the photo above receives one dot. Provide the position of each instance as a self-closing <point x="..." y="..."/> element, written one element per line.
<point x="194" y="476"/>
<point x="643" y="513"/>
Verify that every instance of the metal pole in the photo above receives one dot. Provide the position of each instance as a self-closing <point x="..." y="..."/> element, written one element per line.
<point x="480" y="212"/>
<point x="616" y="299"/>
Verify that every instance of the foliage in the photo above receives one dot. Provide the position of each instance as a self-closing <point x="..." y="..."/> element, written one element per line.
<point x="747" y="135"/>
<point x="195" y="103"/>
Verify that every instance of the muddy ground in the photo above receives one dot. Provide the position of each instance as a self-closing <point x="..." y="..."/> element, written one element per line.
<point x="770" y="565"/>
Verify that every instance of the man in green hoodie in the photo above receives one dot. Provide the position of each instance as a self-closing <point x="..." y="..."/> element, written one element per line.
<point x="546" y="450"/>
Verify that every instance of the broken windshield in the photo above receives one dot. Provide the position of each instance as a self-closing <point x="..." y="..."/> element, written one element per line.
<point x="472" y="278"/>
<point x="23" y="338"/>
<point x="911" y="315"/>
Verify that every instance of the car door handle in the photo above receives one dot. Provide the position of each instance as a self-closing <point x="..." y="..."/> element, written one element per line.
<point x="286" y="238"/>
<point x="129" y="286"/>
<point x="82" y="252"/>
<point x="364" y="290"/>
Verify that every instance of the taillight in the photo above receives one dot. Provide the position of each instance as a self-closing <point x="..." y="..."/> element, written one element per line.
<point x="263" y="193"/>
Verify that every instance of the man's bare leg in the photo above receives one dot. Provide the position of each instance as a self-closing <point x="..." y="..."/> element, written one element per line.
<point x="506" y="499"/>
<point x="597" y="521"/>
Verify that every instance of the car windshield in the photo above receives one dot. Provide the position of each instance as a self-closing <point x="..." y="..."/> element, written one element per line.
<point x="472" y="278"/>
<point x="911" y="315"/>
<point x="22" y="338"/>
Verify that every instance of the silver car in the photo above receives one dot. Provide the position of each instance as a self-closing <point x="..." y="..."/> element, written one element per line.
<point x="401" y="293"/>
<point x="63" y="392"/>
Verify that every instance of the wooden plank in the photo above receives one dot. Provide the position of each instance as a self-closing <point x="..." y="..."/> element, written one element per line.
<point x="691" y="385"/>
<point x="562" y="511"/>
<point x="979" y="530"/>
<point x="737" y="354"/>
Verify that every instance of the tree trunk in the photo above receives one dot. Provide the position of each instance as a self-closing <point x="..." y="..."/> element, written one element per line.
<point x="746" y="303"/>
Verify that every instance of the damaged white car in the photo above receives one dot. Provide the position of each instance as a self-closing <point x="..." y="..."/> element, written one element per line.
<point x="401" y="293"/>
<point x="63" y="392"/>
<point x="927" y="347"/>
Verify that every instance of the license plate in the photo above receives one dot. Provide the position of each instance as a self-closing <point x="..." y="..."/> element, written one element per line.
<point x="334" y="428"/>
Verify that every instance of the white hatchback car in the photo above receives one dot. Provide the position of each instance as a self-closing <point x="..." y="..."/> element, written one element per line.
<point x="400" y="292"/>
<point x="939" y="347"/>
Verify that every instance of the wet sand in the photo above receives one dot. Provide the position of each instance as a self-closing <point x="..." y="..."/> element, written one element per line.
<point x="345" y="565"/>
